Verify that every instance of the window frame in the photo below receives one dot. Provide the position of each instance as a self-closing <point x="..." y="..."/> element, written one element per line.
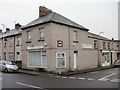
<point x="29" y="36"/>
<point x="95" y="44"/>
<point x="57" y="60"/>
<point x="11" y="43"/>
<point x="41" y="31"/>
<point x="75" y="36"/>
<point x="104" y="45"/>
<point x="41" y="66"/>
<point x="18" y="41"/>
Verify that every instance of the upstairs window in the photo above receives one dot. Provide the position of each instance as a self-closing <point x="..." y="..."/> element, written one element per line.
<point x="108" y="45"/>
<point x="95" y="44"/>
<point x="104" y="45"/>
<point x="18" y="41"/>
<point x="5" y="42"/>
<point x="11" y="42"/>
<point x="41" y="34"/>
<point x="75" y="36"/>
<point x="28" y="36"/>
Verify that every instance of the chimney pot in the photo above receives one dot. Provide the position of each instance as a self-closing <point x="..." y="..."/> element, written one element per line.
<point x="17" y="26"/>
<point x="7" y="29"/>
<point x="44" y="11"/>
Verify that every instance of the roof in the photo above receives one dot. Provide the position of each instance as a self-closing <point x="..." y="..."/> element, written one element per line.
<point x="11" y="33"/>
<point x="92" y="35"/>
<point x="56" y="18"/>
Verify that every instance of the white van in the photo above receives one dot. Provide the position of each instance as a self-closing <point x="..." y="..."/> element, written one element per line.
<point x="8" y="66"/>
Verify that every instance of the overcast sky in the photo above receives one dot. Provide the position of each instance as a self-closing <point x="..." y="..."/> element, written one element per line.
<point x="96" y="15"/>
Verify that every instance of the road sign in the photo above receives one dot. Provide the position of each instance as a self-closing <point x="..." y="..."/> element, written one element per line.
<point x="59" y="43"/>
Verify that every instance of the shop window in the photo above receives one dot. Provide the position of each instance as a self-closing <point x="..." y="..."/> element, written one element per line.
<point x="37" y="59"/>
<point x="61" y="59"/>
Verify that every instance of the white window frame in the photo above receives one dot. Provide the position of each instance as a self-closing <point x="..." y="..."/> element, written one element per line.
<point x="41" y="31"/>
<point x="28" y="36"/>
<point x="18" y="41"/>
<point x="75" y="35"/>
<point x="41" y="66"/>
<point x="11" y="42"/>
<point x="57" y="59"/>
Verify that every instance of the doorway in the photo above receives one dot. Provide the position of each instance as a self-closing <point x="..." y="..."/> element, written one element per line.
<point x="75" y="59"/>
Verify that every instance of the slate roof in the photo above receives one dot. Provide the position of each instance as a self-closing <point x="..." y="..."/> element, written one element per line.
<point x="92" y="35"/>
<point x="11" y="33"/>
<point x="56" y="18"/>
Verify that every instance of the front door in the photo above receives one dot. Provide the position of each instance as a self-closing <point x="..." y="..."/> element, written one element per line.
<point x="75" y="59"/>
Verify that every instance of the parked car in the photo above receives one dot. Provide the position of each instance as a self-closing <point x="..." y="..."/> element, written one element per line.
<point x="8" y="66"/>
<point x="117" y="63"/>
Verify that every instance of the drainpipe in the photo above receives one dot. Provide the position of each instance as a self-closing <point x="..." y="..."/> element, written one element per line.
<point x="14" y="48"/>
<point x="69" y="51"/>
<point x="99" y="60"/>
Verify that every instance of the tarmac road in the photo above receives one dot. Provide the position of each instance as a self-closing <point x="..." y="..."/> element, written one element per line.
<point x="98" y="79"/>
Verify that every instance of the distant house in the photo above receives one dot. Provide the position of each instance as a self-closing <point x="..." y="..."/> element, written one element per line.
<point x="11" y="44"/>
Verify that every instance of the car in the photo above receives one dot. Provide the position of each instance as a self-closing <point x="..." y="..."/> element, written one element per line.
<point x="8" y="66"/>
<point x="117" y="63"/>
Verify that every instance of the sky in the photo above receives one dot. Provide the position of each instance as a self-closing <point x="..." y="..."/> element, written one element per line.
<point x="96" y="15"/>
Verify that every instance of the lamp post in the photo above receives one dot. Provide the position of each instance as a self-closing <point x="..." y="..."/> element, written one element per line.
<point x="99" y="64"/>
<point x="2" y="38"/>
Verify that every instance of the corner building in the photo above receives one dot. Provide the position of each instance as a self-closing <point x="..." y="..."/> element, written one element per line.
<point x="52" y="42"/>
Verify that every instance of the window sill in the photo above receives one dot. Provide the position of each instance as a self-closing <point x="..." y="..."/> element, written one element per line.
<point x="28" y="41"/>
<point x="41" y="40"/>
<point x="17" y="45"/>
<point x="75" y="41"/>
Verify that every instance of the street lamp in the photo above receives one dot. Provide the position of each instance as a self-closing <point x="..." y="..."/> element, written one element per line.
<point x="99" y="65"/>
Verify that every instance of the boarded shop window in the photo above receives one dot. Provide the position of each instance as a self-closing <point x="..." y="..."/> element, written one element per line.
<point x="61" y="59"/>
<point x="37" y="59"/>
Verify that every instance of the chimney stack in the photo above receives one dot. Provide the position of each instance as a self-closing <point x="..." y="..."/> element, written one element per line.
<point x="7" y="29"/>
<point x="17" y="26"/>
<point x="44" y="11"/>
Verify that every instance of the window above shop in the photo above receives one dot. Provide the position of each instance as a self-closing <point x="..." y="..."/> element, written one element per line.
<point x="41" y="34"/>
<point x="28" y="36"/>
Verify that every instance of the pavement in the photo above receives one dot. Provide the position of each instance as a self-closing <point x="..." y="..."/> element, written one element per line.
<point x="37" y="73"/>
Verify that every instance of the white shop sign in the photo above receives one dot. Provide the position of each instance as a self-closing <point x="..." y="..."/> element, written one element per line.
<point x="35" y="47"/>
<point x="86" y="46"/>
